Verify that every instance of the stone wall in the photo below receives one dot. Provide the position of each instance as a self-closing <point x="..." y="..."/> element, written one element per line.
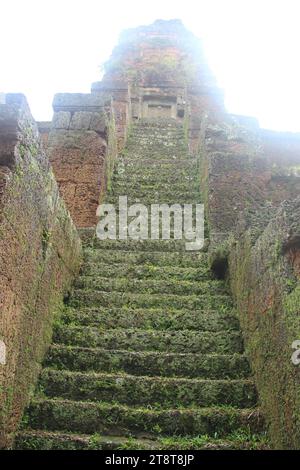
<point x="255" y="244"/>
<point x="282" y="150"/>
<point x="265" y="280"/>
<point x="244" y="168"/>
<point x="81" y="146"/>
<point x="40" y="254"/>
<point x="121" y="106"/>
<point x="235" y="175"/>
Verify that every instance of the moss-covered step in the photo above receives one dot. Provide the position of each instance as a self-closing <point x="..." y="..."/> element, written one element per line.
<point x="149" y="166"/>
<point x="112" y="419"/>
<point x="135" y="189"/>
<point x="144" y="390"/>
<point x="213" y="366"/>
<point x="147" y="351"/>
<point x="160" y="319"/>
<point x="45" y="440"/>
<point x="137" y="245"/>
<point x="134" y="339"/>
<point x="164" y="145"/>
<point x="155" y="198"/>
<point x="182" y="259"/>
<point x="150" y="154"/>
<point x="145" y="271"/>
<point x="209" y="301"/>
<point x="151" y="286"/>
<point x="172" y="176"/>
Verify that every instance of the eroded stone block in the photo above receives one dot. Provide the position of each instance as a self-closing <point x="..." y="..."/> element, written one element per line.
<point x="61" y="120"/>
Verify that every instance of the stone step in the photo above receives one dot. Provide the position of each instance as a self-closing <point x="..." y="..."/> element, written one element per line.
<point x="149" y="196"/>
<point x="150" y="286"/>
<point x="154" y="136"/>
<point x="213" y="366"/>
<point x="133" y="245"/>
<point x="154" y="198"/>
<point x="47" y="440"/>
<point x="160" y="319"/>
<point x="164" y="123"/>
<point x="145" y="189"/>
<point x="155" y="132"/>
<point x="147" y="163"/>
<point x="212" y="301"/>
<point x="144" y="271"/>
<point x="135" y="339"/>
<point x="160" y="259"/>
<point x="156" y="127"/>
<point x="169" y="392"/>
<point x="134" y="154"/>
<point x="163" y="148"/>
<point x="155" y="173"/>
<point x="112" y="419"/>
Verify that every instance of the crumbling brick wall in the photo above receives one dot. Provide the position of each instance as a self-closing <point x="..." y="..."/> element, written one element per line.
<point x="235" y="175"/>
<point x="40" y="253"/>
<point x="81" y="147"/>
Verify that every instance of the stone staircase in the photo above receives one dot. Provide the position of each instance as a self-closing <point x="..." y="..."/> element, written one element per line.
<point x="147" y="353"/>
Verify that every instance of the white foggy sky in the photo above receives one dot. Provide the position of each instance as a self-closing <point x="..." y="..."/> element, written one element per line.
<point x="252" y="46"/>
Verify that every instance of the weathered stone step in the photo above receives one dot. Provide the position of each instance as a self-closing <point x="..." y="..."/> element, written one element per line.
<point x="187" y="260"/>
<point x="156" y="126"/>
<point x="171" y="181"/>
<point x="212" y="301"/>
<point x="108" y="418"/>
<point x="213" y="366"/>
<point x="128" y="389"/>
<point x="161" y="223"/>
<point x="151" y="286"/>
<point x="136" y="188"/>
<point x="156" y="139"/>
<point x="139" y="163"/>
<point x="168" y="173"/>
<point x="152" y="145"/>
<point x="168" y="132"/>
<point x="154" y="198"/>
<point x="135" y="339"/>
<point x="47" y="440"/>
<point x="159" y="319"/>
<point x="155" y="172"/>
<point x="133" y="245"/>
<point x="164" y="123"/>
<point x="149" y="155"/>
<point x="145" y="271"/>
<point x="153" y="137"/>
<point x="167" y="196"/>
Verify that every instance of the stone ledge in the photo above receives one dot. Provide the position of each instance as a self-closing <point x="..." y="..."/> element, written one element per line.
<point x="80" y="102"/>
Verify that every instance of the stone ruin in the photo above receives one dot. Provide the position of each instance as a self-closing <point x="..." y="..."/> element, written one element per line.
<point x="250" y="184"/>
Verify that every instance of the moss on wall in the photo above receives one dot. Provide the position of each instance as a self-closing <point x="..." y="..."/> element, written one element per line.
<point x="40" y="253"/>
<point x="267" y="292"/>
